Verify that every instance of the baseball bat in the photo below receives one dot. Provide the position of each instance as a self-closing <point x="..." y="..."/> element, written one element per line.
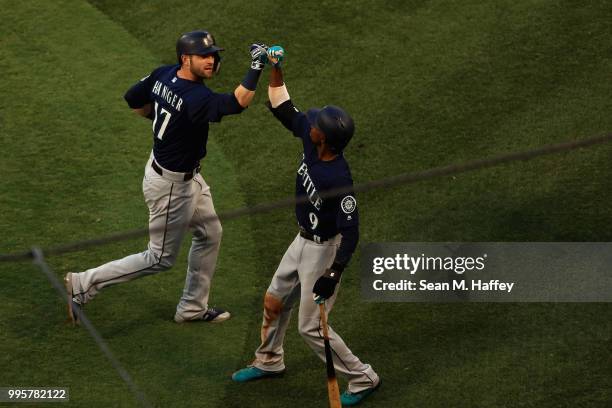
<point x="333" y="391"/>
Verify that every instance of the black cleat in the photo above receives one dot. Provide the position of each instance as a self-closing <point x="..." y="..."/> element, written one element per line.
<point x="212" y="315"/>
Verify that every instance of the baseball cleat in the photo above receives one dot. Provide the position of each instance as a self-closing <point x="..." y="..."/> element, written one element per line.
<point x="253" y="373"/>
<point x="72" y="306"/>
<point x="349" y="399"/>
<point x="212" y="315"/>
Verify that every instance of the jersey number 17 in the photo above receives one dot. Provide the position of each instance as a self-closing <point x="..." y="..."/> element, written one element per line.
<point x="166" y="118"/>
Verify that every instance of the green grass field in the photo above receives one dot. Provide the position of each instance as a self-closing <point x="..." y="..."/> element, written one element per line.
<point x="428" y="83"/>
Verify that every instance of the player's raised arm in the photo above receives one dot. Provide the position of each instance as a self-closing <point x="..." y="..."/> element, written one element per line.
<point x="277" y="91"/>
<point x="276" y="54"/>
<point x="279" y="100"/>
<point x="245" y="92"/>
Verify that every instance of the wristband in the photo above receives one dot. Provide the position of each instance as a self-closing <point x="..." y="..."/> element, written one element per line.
<point x="251" y="78"/>
<point x="278" y="95"/>
<point x="335" y="271"/>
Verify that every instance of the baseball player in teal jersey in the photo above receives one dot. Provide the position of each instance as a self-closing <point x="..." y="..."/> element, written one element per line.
<point x="181" y="107"/>
<point x="328" y="233"/>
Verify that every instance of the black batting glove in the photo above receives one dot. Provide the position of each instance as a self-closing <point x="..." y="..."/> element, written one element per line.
<point x="325" y="286"/>
<point x="323" y="289"/>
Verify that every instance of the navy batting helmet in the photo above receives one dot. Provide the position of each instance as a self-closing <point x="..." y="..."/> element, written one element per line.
<point x="199" y="42"/>
<point x="335" y="123"/>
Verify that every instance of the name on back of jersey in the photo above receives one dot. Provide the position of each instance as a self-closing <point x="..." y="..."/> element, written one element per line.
<point x="311" y="190"/>
<point x="164" y="92"/>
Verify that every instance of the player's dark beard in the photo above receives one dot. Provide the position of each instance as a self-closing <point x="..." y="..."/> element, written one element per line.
<point x="199" y="75"/>
<point x="196" y="74"/>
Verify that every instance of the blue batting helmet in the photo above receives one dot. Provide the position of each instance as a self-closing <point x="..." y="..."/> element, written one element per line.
<point x="198" y="42"/>
<point x="335" y="123"/>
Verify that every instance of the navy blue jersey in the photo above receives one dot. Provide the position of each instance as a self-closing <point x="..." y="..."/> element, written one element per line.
<point x="181" y="111"/>
<point x="323" y="217"/>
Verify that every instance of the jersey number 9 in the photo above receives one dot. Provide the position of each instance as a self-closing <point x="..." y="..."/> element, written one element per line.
<point x="313" y="220"/>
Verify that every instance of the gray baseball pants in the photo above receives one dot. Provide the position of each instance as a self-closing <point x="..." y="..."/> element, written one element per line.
<point x="303" y="263"/>
<point x="175" y="206"/>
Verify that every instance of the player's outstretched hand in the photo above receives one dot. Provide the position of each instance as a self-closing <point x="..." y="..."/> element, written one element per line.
<point x="276" y="54"/>
<point x="324" y="288"/>
<point x="259" y="56"/>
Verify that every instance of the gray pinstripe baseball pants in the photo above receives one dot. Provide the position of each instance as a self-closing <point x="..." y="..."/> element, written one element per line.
<point x="303" y="263"/>
<point x="175" y="206"/>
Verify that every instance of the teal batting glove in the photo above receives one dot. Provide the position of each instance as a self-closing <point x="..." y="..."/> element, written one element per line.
<point x="318" y="299"/>
<point x="276" y="54"/>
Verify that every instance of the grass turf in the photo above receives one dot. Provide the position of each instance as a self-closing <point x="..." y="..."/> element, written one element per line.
<point x="428" y="83"/>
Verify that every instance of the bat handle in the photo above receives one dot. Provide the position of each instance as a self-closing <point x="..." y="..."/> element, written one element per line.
<point x="323" y="314"/>
<point x="333" y="391"/>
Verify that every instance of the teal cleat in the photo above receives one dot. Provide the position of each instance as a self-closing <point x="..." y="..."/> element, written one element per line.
<point x="253" y="373"/>
<point x="349" y="399"/>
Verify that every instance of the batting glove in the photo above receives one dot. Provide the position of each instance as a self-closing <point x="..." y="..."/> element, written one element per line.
<point x="276" y="54"/>
<point x="259" y="56"/>
<point x="324" y="288"/>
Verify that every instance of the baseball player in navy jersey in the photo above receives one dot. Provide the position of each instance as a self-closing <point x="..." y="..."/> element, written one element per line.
<point x="180" y="106"/>
<point x="328" y="235"/>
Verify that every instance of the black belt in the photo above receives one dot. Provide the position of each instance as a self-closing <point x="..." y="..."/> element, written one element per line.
<point x="186" y="177"/>
<point x="311" y="237"/>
